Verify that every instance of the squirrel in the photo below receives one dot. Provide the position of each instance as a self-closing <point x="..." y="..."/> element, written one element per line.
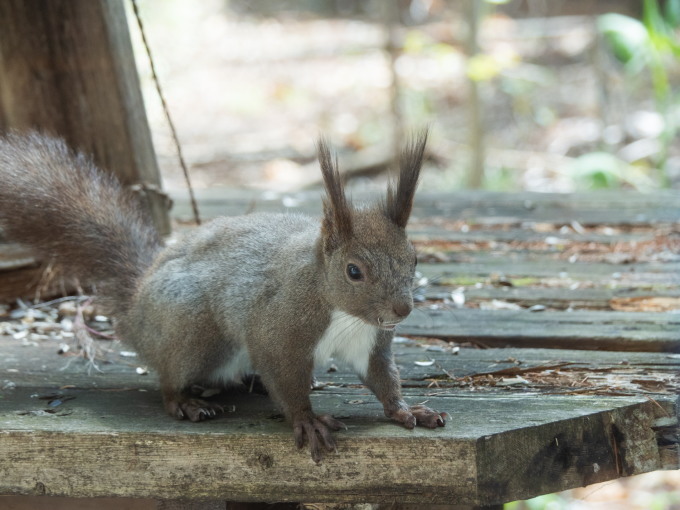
<point x="271" y="294"/>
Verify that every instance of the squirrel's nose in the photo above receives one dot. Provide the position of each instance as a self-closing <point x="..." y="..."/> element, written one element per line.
<point x="401" y="310"/>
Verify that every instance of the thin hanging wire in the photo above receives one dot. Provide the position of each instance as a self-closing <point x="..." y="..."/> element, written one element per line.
<point x="182" y="162"/>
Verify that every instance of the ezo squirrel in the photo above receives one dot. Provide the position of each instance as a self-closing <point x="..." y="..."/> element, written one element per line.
<point x="266" y="294"/>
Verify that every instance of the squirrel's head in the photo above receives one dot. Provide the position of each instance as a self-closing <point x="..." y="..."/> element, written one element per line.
<point x="369" y="262"/>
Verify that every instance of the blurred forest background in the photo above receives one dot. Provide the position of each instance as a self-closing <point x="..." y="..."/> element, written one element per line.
<point x="538" y="95"/>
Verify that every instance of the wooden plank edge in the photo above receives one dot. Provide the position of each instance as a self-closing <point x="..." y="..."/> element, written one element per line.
<point x="667" y="430"/>
<point x="621" y="344"/>
<point x="548" y="340"/>
<point x="252" y="466"/>
<point x="603" y="447"/>
<point x="33" y="283"/>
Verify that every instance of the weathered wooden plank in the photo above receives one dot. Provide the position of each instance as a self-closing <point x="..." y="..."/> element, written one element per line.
<point x="618" y="331"/>
<point x="32" y="282"/>
<point x="37" y="363"/>
<point x="19" y="272"/>
<point x="613" y="208"/>
<point x="535" y="463"/>
<point x="214" y="505"/>
<point x="558" y="298"/>
<point x="14" y="256"/>
<point x="57" y="503"/>
<point x="420" y="234"/>
<point x="22" y="276"/>
<point x="249" y="455"/>
<point x="503" y="357"/>
<point x="537" y="264"/>
<point x="640" y="273"/>
<point x="19" y="282"/>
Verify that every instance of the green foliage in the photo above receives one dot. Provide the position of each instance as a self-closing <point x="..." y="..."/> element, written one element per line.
<point x="672" y="13"/>
<point x="650" y="44"/>
<point x="637" y="43"/>
<point x="417" y="105"/>
<point x="625" y="35"/>
<point x="500" y="179"/>
<point x="547" y="502"/>
<point x="598" y="170"/>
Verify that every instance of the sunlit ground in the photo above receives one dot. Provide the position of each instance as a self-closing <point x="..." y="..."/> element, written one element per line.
<point x="652" y="491"/>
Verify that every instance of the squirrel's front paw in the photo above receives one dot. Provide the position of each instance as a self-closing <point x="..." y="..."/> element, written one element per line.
<point x="419" y="415"/>
<point x="317" y="431"/>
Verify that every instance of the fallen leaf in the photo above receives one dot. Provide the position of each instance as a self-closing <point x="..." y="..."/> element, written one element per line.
<point x="645" y="304"/>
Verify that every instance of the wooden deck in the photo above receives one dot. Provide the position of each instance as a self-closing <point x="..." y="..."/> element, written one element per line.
<point x="548" y="327"/>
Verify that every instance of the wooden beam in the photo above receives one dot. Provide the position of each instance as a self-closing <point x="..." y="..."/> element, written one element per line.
<point x="23" y="276"/>
<point x="475" y="104"/>
<point x="484" y="266"/>
<point x="590" y="330"/>
<point x="110" y="437"/>
<point x="556" y="298"/>
<point x="611" y="208"/>
<point x="67" y="68"/>
<point x="120" y="443"/>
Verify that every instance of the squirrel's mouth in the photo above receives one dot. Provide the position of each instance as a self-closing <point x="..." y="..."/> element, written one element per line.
<point x="387" y="325"/>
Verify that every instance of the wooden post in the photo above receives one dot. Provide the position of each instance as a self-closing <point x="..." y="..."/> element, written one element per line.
<point x="475" y="113"/>
<point x="67" y="68"/>
<point x="393" y="50"/>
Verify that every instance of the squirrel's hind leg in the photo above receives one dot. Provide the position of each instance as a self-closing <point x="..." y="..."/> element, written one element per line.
<point x="180" y="404"/>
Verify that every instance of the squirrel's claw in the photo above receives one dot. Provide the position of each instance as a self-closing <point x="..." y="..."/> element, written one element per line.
<point x="317" y="431"/>
<point x="419" y="415"/>
<point x="426" y="417"/>
<point x="193" y="409"/>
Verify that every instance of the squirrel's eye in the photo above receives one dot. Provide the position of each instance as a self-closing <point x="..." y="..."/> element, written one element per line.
<point x="354" y="273"/>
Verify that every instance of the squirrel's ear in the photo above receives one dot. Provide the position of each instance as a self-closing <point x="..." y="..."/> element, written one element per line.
<point x="337" y="215"/>
<point x="400" y="201"/>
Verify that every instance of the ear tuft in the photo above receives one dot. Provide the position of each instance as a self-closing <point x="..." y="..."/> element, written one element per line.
<point x="400" y="201"/>
<point x="337" y="221"/>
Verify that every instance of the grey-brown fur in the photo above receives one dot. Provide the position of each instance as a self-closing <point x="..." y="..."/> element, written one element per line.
<point x="264" y="292"/>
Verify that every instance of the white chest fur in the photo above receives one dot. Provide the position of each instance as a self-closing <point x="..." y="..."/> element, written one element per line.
<point x="233" y="369"/>
<point x="349" y="339"/>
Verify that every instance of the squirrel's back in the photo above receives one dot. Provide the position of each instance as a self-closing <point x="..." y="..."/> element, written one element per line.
<point x="60" y="204"/>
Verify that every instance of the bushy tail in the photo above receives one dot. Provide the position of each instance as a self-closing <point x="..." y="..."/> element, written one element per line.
<point x="60" y="204"/>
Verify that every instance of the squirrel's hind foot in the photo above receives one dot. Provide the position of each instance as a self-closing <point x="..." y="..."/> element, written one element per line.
<point x="182" y="407"/>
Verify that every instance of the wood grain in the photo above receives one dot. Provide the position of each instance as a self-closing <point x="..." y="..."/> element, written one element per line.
<point x="113" y="438"/>
<point x="121" y="444"/>
<point x="592" y="330"/>
<point x="616" y="208"/>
